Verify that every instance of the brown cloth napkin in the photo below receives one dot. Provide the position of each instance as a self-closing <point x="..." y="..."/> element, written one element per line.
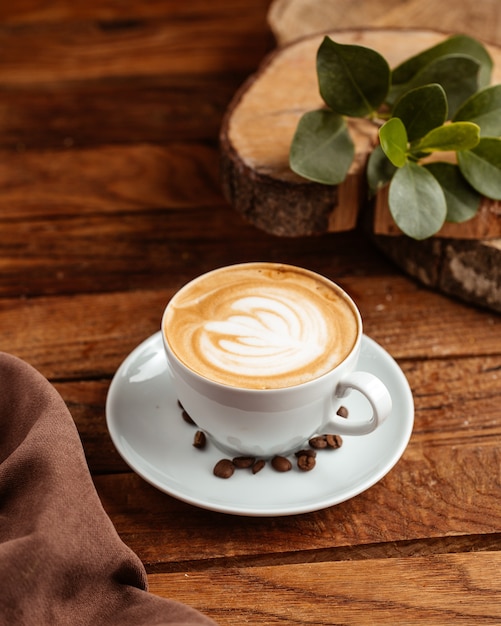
<point x="61" y="560"/>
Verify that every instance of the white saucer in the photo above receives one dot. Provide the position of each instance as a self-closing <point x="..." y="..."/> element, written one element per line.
<point x="145" y="424"/>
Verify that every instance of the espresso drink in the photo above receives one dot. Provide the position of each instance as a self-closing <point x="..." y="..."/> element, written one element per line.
<point x="261" y="325"/>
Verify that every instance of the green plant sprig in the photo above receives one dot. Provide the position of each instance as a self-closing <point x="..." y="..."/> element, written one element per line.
<point x="438" y="101"/>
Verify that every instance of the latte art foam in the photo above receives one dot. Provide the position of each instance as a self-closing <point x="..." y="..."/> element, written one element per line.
<point x="260" y="325"/>
<point x="268" y="335"/>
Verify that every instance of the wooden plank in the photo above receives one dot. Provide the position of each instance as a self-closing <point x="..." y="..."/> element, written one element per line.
<point x="67" y="74"/>
<point x="125" y="217"/>
<point x="114" y="10"/>
<point x="413" y="322"/>
<point x="88" y="50"/>
<point x="144" y="251"/>
<point x="83" y="336"/>
<point x="441" y="589"/>
<point x="155" y="109"/>
<point x="108" y="179"/>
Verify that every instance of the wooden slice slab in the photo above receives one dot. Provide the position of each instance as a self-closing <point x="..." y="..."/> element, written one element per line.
<point x="290" y="20"/>
<point x="255" y="141"/>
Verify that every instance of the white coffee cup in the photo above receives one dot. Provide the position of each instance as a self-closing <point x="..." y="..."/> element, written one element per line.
<point x="242" y="411"/>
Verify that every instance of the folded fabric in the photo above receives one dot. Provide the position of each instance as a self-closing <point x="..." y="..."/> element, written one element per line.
<point x="61" y="559"/>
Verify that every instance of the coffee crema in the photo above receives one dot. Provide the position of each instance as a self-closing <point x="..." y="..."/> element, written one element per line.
<point x="260" y="325"/>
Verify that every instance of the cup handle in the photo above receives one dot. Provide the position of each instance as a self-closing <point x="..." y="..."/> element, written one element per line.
<point x="376" y="393"/>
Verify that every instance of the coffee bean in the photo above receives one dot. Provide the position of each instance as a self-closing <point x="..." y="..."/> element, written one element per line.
<point x="305" y="451"/>
<point x="334" y="441"/>
<point x="243" y="462"/>
<point x="187" y="418"/>
<point x="318" y="442"/>
<point x="281" y="464"/>
<point x="342" y="411"/>
<point x="306" y="462"/>
<point x="258" y="466"/>
<point x="200" y="440"/>
<point x="224" y="468"/>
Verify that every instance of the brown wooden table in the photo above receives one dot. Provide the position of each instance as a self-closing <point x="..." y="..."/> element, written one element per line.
<point x="110" y="201"/>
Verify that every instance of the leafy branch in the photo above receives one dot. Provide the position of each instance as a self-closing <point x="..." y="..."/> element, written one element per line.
<point x="438" y="101"/>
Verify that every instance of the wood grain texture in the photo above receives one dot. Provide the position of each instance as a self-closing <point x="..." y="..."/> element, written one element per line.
<point x="117" y="11"/>
<point x="293" y="19"/>
<point x="389" y="591"/>
<point x="107" y="180"/>
<point x="84" y="50"/>
<point x="76" y="74"/>
<point x="142" y="249"/>
<point x="124" y="217"/>
<point x="156" y="109"/>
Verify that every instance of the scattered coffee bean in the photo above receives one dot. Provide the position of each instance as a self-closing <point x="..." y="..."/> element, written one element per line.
<point x="243" y="462"/>
<point x="187" y="418"/>
<point x="224" y="468"/>
<point x="318" y="442"/>
<point x="306" y="462"/>
<point x="334" y="441"/>
<point x="281" y="464"/>
<point x="200" y="440"/>
<point x="305" y="451"/>
<point x="342" y="411"/>
<point x="258" y="466"/>
<point x="306" y="457"/>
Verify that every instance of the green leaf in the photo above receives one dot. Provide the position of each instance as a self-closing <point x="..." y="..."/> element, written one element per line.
<point x="393" y="138"/>
<point x="462" y="200"/>
<point x="322" y="149"/>
<point x="483" y="108"/>
<point x="417" y="202"/>
<point x="422" y="109"/>
<point x="457" y="44"/>
<point x="353" y="80"/>
<point x="481" y="167"/>
<point x="380" y="170"/>
<point x="458" y="75"/>
<point x="453" y="136"/>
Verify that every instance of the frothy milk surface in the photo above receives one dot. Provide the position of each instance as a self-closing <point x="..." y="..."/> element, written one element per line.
<point x="260" y="325"/>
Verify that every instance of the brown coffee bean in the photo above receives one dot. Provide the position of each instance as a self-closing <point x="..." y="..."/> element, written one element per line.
<point x="258" y="466"/>
<point x="224" y="468"/>
<point x="334" y="441"/>
<point x="281" y="464"/>
<point x="306" y="462"/>
<point x="187" y="418"/>
<point x="305" y="451"/>
<point x="318" y="442"/>
<point x="243" y="462"/>
<point x="342" y="411"/>
<point x="200" y="440"/>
